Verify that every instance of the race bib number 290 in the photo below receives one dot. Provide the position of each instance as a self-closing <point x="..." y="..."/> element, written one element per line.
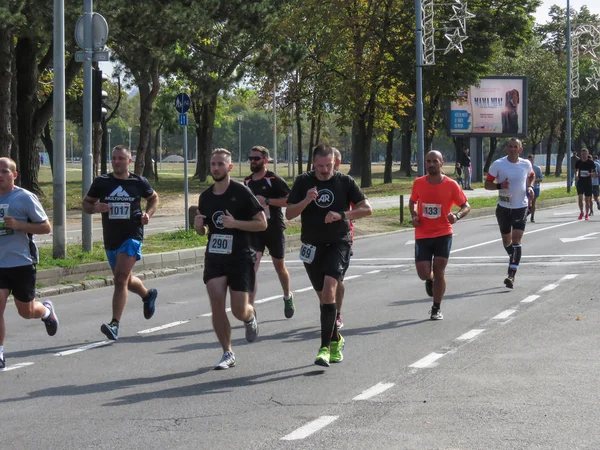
<point x="307" y="253"/>
<point x="221" y="244"/>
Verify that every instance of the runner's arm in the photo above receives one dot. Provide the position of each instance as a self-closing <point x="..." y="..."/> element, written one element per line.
<point x="151" y="204"/>
<point x="361" y="209"/>
<point x="465" y="209"/>
<point x="89" y="204"/>
<point x="490" y="183"/>
<point x="257" y="223"/>
<point x="28" y="227"/>
<point x="294" y="210"/>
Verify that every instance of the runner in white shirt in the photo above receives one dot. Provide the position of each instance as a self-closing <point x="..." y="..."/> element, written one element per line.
<point x="513" y="177"/>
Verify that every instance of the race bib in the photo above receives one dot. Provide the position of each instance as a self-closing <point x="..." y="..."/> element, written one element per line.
<point x="221" y="244"/>
<point x="505" y="197"/>
<point x="119" y="210"/>
<point x="432" y="211"/>
<point x="307" y="253"/>
<point x="4" y="212"/>
<point x="584" y="173"/>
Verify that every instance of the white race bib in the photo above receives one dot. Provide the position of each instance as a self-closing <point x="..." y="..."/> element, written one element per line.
<point x="221" y="244"/>
<point x="119" y="210"/>
<point x="3" y="211"/>
<point x="584" y="173"/>
<point x="307" y="253"/>
<point x="432" y="211"/>
<point x="505" y="197"/>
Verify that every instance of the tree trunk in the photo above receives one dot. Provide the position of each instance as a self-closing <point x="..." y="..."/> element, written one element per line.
<point x="356" y="158"/>
<point x="204" y="115"/>
<point x="104" y="150"/>
<point x="148" y="89"/>
<point x="299" y="136"/>
<point x="549" y="152"/>
<point x="311" y="143"/>
<point x="96" y="147"/>
<point x="6" y="78"/>
<point x="46" y="138"/>
<point x="406" y="150"/>
<point x="149" y="167"/>
<point x="156" y="142"/>
<point x="562" y="148"/>
<point x="14" y="121"/>
<point x="490" y="157"/>
<point x="389" y="157"/>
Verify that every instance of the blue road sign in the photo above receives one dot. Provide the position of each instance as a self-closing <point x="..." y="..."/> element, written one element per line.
<point x="183" y="119"/>
<point x="182" y="103"/>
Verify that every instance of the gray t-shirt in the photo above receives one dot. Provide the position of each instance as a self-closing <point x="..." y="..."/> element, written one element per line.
<point x="16" y="247"/>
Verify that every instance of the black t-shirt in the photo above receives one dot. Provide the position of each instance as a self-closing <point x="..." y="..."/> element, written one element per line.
<point x="335" y="194"/>
<point x="585" y="168"/>
<point x="242" y="205"/>
<point x="270" y="186"/>
<point x="124" y="219"/>
<point x="466" y="160"/>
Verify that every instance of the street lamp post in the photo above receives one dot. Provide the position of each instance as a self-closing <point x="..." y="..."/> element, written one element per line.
<point x="239" y="118"/>
<point x="569" y="82"/>
<point x="129" y="129"/>
<point x="71" y="134"/>
<point x="108" y="153"/>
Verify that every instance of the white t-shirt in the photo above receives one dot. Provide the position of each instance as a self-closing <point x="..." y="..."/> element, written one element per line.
<point x="516" y="195"/>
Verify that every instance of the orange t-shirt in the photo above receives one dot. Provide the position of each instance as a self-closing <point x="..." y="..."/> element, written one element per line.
<point x="434" y="204"/>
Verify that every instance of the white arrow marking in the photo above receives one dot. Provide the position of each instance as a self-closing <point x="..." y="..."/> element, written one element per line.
<point x="585" y="237"/>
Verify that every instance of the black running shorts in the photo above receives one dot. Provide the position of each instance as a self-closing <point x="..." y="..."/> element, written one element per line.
<point x="330" y="260"/>
<point x="239" y="271"/>
<point x="511" y="219"/>
<point x="584" y="187"/>
<point x="20" y="281"/>
<point x="273" y="239"/>
<point x="428" y="248"/>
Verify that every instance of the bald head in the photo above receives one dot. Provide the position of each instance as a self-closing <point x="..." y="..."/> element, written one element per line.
<point x="435" y="154"/>
<point x="433" y="163"/>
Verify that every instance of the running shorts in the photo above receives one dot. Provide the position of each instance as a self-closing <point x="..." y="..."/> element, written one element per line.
<point x="511" y="219"/>
<point x="428" y="248"/>
<point x="20" y="281"/>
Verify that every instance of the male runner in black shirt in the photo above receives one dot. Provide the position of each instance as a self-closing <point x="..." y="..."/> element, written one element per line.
<point x="585" y="169"/>
<point x="117" y="196"/>
<point x="322" y="198"/>
<point x="272" y="192"/>
<point x="229" y="213"/>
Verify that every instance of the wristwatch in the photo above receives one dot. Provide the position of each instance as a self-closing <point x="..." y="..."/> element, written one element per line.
<point x="457" y="215"/>
<point x="267" y="201"/>
<point x="343" y="214"/>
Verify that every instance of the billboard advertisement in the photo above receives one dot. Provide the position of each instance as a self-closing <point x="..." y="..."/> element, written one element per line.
<point x="495" y="108"/>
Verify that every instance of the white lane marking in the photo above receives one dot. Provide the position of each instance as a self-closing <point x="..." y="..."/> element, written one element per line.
<point x="351" y="277"/>
<point x="549" y="287"/>
<point x="163" y="327"/>
<point x="487" y="257"/>
<point x="469" y="335"/>
<point x="268" y="299"/>
<point x="428" y="361"/>
<point x="410" y="242"/>
<point x="504" y="314"/>
<point x="373" y="271"/>
<point x="16" y="366"/>
<point x="530" y="299"/>
<point x="303" y="289"/>
<point x="568" y="213"/>
<point x="210" y="314"/>
<point x="385" y="266"/>
<point x="83" y="348"/>
<point x="373" y="391"/>
<point x="569" y="276"/>
<point x="310" y="428"/>
<point x="498" y="240"/>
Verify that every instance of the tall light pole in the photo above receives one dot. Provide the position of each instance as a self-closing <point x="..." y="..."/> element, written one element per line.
<point x="239" y="118"/>
<point x="274" y="125"/>
<point x="419" y="117"/>
<point x="71" y="134"/>
<point x="569" y="82"/>
<point x="109" y="152"/>
<point x="129" y="129"/>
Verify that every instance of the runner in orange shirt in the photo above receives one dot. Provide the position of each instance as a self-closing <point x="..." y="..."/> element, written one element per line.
<point x="431" y="200"/>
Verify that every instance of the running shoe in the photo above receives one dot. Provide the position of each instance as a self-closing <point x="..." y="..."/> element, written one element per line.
<point x="51" y="321"/>
<point x="532" y="220"/>
<point x="322" y="357"/>
<point x="587" y="217"/>
<point x="429" y="286"/>
<point x="227" y="361"/>
<point x="436" y="313"/>
<point x="509" y="282"/>
<point x="339" y="323"/>
<point x="288" y="306"/>
<point x="335" y="354"/>
<point x="251" y="328"/>
<point x="110" y="330"/>
<point x="580" y="216"/>
<point x="150" y="303"/>
<point x="2" y="363"/>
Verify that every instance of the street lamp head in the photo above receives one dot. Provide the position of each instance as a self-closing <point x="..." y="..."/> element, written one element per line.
<point x="240" y="117"/>
<point x="71" y="133"/>
<point x="109" y="130"/>
<point x="129" y="129"/>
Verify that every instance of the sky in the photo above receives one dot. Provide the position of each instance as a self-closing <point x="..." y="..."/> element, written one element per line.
<point x="542" y="12"/>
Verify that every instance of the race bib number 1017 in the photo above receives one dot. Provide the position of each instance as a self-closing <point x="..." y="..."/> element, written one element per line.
<point x="119" y="211"/>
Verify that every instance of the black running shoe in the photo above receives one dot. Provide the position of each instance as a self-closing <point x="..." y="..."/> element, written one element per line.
<point x="509" y="282"/>
<point x="2" y="363"/>
<point x="429" y="286"/>
<point x="436" y="313"/>
<point x="110" y="331"/>
<point x="51" y="321"/>
<point x="150" y="303"/>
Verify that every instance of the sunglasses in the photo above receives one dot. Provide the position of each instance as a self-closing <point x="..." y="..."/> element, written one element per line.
<point x="255" y="158"/>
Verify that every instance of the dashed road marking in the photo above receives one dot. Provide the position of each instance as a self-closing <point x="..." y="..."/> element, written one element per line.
<point x="163" y="327"/>
<point x="310" y="428"/>
<point x="470" y="335"/>
<point x="83" y="348"/>
<point x="504" y="314"/>
<point x="373" y="391"/>
<point x="530" y="299"/>
<point x="428" y="361"/>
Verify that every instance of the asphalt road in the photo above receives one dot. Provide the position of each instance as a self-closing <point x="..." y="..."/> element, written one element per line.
<point x="505" y="369"/>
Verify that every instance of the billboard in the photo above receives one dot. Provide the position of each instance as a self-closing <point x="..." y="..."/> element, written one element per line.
<point x="495" y="108"/>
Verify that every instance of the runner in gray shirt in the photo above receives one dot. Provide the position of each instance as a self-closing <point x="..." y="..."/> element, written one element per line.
<point x="21" y="216"/>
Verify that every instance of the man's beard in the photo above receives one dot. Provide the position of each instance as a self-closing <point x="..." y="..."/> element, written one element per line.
<point x="256" y="168"/>
<point x="221" y="178"/>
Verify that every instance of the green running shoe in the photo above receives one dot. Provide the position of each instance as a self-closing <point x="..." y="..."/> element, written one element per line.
<point x="288" y="306"/>
<point x="322" y="357"/>
<point x="335" y="355"/>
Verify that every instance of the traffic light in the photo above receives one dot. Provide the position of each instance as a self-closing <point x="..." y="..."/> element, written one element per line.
<point x="99" y="96"/>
